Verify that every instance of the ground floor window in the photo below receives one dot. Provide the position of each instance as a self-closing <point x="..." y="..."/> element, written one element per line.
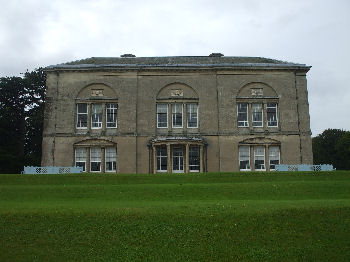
<point x="258" y="155"/>
<point x="96" y="159"/>
<point x="244" y="158"/>
<point x="111" y="159"/>
<point x="274" y="156"/>
<point x="194" y="159"/>
<point x="162" y="159"/>
<point x="80" y="158"/>
<point x="259" y="158"/>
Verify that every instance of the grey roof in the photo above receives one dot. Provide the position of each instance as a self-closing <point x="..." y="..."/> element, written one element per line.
<point x="176" y="62"/>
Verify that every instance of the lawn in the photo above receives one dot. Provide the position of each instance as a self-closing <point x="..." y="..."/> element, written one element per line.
<point x="176" y="217"/>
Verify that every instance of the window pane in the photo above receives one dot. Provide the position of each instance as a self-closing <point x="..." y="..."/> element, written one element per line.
<point x="259" y="158"/>
<point x="274" y="156"/>
<point x="192" y="115"/>
<point x="257" y="117"/>
<point x="194" y="158"/>
<point x="82" y="116"/>
<point x="177" y="115"/>
<point x="271" y="111"/>
<point x="162" y="115"/>
<point x="96" y="115"/>
<point x="111" y="158"/>
<point x="95" y="159"/>
<point x="242" y="114"/>
<point x="244" y="158"/>
<point x="162" y="160"/>
<point x="111" y="115"/>
<point x="80" y="158"/>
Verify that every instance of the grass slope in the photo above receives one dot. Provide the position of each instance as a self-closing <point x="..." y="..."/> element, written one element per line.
<point x="183" y="217"/>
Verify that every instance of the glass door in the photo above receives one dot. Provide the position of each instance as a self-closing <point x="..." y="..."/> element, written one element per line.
<point x="178" y="160"/>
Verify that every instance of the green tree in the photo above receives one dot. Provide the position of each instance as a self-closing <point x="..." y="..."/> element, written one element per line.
<point x="343" y="150"/>
<point x="21" y="116"/>
<point x="326" y="150"/>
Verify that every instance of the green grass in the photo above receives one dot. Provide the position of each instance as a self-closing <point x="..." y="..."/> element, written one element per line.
<point x="182" y="217"/>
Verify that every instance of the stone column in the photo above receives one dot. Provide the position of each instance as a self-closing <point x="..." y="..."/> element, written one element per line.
<point x="103" y="160"/>
<point x="187" y="158"/>
<point x="169" y="167"/>
<point x="201" y="162"/>
<point x="154" y="159"/>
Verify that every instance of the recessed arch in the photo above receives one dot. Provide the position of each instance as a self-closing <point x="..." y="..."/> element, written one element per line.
<point x="254" y="89"/>
<point x="97" y="90"/>
<point x="177" y="90"/>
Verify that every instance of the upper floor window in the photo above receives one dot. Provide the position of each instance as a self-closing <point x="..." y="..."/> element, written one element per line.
<point x="271" y="113"/>
<point x="96" y="116"/>
<point x="177" y="115"/>
<point x="192" y="115"/>
<point x="257" y="115"/>
<point x="91" y="115"/>
<point x="82" y="115"/>
<point x="162" y="115"/>
<point x="242" y="114"/>
<point x="111" y="115"/>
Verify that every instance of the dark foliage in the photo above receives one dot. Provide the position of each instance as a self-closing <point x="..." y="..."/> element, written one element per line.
<point x="332" y="147"/>
<point x="21" y="120"/>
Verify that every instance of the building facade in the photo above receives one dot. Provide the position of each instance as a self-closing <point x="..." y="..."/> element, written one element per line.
<point x="176" y="114"/>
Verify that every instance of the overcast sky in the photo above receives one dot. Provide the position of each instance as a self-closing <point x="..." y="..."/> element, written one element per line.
<point x="38" y="33"/>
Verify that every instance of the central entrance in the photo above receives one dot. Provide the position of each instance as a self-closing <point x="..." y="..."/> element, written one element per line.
<point x="178" y="160"/>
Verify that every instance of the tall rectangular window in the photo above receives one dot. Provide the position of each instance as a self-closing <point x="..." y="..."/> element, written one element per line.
<point x="244" y="158"/>
<point x="257" y="115"/>
<point x="274" y="156"/>
<point x="111" y="115"/>
<point x="177" y="115"/>
<point x="96" y="115"/>
<point x="111" y="159"/>
<point x="192" y="115"/>
<point x="80" y="158"/>
<point x="162" y="115"/>
<point x="259" y="158"/>
<point x="242" y="114"/>
<point x="95" y="159"/>
<point x="194" y="158"/>
<point x="82" y="116"/>
<point x="271" y="114"/>
<point x="162" y="159"/>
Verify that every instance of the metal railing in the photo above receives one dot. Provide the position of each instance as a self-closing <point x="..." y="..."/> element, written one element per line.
<point x="51" y="170"/>
<point x="304" y="167"/>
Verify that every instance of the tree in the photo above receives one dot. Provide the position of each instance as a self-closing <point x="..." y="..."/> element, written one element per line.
<point x="327" y="148"/>
<point x="21" y="116"/>
<point x="343" y="149"/>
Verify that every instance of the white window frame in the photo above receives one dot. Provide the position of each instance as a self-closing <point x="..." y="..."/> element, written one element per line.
<point x="259" y="155"/>
<point x="87" y="116"/>
<point x="158" y="107"/>
<point x="191" y="112"/>
<point x="92" y="114"/>
<point x="76" y="160"/>
<point x="174" y="113"/>
<point x="113" y="107"/>
<point x="161" y="159"/>
<point x="91" y="157"/>
<point x="109" y="158"/>
<point x="240" y="158"/>
<point x="275" y="107"/>
<point x="262" y="115"/>
<point x="245" y="122"/>
<point x="270" y="156"/>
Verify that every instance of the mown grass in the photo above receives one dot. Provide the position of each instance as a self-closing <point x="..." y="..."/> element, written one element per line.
<point x="183" y="217"/>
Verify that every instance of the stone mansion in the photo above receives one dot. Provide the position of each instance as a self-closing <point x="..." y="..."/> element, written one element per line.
<point x="176" y="114"/>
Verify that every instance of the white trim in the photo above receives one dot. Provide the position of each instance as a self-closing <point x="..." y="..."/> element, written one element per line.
<point x="98" y="122"/>
<point x="255" y="155"/>
<point x="115" y="160"/>
<point x="247" y="116"/>
<point x="187" y="107"/>
<point x="116" y="114"/>
<point x="172" y="114"/>
<point x="77" y="116"/>
<point x="239" y="159"/>
<point x="267" y="122"/>
<point x="262" y="115"/>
